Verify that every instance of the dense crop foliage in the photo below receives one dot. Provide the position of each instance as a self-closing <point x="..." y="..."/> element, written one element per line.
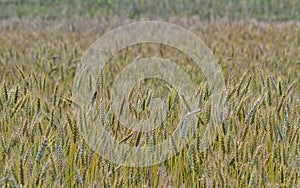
<point x="257" y="144"/>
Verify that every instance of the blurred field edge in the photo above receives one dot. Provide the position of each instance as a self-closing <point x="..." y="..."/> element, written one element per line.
<point x="280" y="10"/>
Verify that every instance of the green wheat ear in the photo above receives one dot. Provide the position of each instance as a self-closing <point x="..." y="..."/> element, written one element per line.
<point x="41" y="150"/>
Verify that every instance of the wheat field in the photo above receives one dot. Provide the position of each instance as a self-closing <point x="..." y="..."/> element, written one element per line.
<point x="257" y="143"/>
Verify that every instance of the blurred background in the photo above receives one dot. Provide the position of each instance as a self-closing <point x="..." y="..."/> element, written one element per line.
<point x="233" y="9"/>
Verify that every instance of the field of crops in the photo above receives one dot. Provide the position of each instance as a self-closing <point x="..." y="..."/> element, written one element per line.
<point x="257" y="143"/>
